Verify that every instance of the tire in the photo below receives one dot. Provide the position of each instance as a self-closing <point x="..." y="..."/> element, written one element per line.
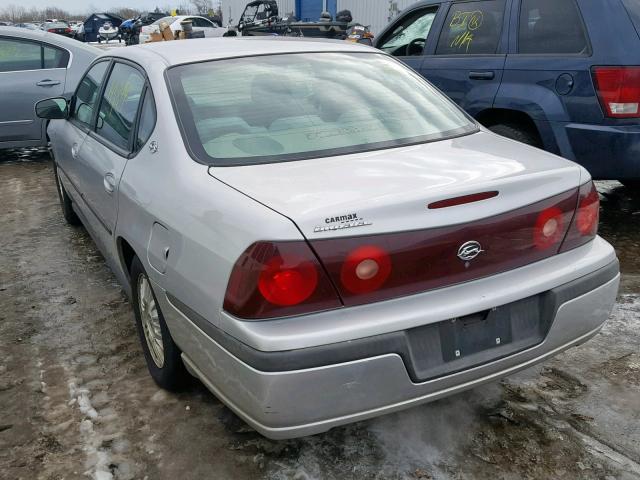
<point x="65" y="201"/>
<point x="164" y="363"/>
<point x="515" y="132"/>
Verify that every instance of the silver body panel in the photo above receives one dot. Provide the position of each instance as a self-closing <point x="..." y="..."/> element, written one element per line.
<point x="204" y="217"/>
<point x="19" y="126"/>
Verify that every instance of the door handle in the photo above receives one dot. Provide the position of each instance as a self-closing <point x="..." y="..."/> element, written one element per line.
<point x="109" y="183"/>
<point x="47" y="83"/>
<point x="75" y="149"/>
<point x="482" y="75"/>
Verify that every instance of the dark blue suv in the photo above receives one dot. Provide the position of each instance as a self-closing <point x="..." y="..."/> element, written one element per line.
<point x="563" y="75"/>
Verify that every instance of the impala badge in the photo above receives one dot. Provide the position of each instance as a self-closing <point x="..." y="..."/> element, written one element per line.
<point x="469" y="250"/>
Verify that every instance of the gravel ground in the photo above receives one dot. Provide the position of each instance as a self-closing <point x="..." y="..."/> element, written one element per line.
<point x="76" y="401"/>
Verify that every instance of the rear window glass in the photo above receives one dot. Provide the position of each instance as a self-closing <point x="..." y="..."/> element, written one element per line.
<point x="289" y="107"/>
<point x="56" y="25"/>
<point x="169" y="20"/>
<point x="551" y="27"/>
<point x="472" y="28"/>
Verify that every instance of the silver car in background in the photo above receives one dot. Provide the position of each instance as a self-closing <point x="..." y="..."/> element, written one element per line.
<point x="318" y="234"/>
<point x="35" y="65"/>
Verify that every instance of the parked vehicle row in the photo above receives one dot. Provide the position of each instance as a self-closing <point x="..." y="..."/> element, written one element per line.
<point x="559" y="75"/>
<point x="199" y="24"/>
<point x="347" y="242"/>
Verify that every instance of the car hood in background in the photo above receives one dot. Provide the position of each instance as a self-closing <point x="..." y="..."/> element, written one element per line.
<point x="389" y="190"/>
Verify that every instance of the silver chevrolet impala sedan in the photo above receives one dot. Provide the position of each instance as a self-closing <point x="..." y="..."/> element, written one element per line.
<point x="318" y="234"/>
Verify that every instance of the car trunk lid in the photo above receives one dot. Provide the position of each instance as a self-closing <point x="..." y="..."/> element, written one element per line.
<point x="390" y="190"/>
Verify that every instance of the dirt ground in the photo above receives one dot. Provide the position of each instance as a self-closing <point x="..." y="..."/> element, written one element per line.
<point x="76" y="401"/>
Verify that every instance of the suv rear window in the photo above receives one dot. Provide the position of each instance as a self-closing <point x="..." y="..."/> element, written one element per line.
<point x="551" y="27"/>
<point x="275" y="108"/>
<point x="472" y="28"/>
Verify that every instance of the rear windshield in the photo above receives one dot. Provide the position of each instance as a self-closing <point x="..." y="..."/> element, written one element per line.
<point x="57" y="25"/>
<point x="290" y="107"/>
<point x="169" y="20"/>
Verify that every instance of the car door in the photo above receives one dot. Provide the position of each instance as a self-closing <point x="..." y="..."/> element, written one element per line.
<point x="30" y="71"/>
<point x="548" y="69"/>
<point x="406" y="38"/>
<point x="68" y="137"/>
<point x="109" y="143"/>
<point x="467" y="61"/>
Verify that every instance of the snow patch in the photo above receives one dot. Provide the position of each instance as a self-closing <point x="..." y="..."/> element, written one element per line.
<point x="98" y="458"/>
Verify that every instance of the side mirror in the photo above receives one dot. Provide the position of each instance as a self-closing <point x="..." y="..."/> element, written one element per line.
<point x="52" y="108"/>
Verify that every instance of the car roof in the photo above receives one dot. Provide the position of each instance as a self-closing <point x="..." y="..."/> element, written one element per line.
<point x="52" y="38"/>
<point x="179" y="52"/>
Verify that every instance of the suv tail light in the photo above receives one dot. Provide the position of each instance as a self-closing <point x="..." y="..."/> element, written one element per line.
<point x="618" y="90"/>
<point x="274" y="279"/>
<point x="584" y="226"/>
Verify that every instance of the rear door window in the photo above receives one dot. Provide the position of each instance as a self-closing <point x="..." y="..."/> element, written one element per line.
<point x="19" y="55"/>
<point x="551" y="27"/>
<point x="410" y="35"/>
<point x="472" y="28"/>
<point x="119" y="105"/>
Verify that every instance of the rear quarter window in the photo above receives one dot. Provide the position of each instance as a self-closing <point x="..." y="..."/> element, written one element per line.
<point x="472" y="28"/>
<point x="551" y="27"/>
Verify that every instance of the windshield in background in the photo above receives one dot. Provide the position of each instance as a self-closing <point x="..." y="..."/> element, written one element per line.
<point x="290" y="107"/>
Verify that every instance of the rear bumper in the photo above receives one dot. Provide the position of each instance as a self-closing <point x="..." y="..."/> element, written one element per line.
<point x="608" y="152"/>
<point x="304" y="400"/>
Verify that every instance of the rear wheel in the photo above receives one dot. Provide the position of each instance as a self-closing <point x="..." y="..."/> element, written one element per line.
<point x="516" y="132"/>
<point x="160" y="351"/>
<point x="65" y="201"/>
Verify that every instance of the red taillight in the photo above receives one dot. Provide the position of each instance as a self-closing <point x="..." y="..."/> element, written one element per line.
<point x="379" y="267"/>
<point x="585" y="221"/>
<point x="588" y="214"/>
<point x="619" y="90"/>
<point x="274" y="279"/>
<point x="52" y="30"/>
<point x="287" y="282"/>
<point x="549" y="228"/>
<point x="67" y="30"/>
<point x="365" y="269"/>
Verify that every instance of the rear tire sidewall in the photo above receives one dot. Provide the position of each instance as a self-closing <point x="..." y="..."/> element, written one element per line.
<point x="514" y="132"/>
<point x="65" y="201"/>
<point x="172" y="374"/>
